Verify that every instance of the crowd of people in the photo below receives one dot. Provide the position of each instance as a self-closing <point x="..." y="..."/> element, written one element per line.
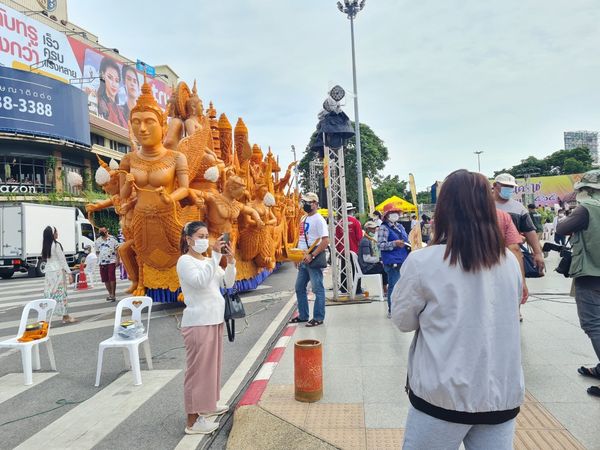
<point x="460" y="295"/>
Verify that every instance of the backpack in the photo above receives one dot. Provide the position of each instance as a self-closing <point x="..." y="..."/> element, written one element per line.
<point x="426" y="230"/>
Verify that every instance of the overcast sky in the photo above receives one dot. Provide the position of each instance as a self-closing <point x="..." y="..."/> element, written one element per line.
<point x="437" y="79"/>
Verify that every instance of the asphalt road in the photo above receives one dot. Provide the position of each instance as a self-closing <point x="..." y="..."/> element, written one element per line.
<point x="158" y="422"/>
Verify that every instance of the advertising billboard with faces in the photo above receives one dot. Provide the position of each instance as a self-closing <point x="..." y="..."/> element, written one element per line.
<point x="111" y="86"/>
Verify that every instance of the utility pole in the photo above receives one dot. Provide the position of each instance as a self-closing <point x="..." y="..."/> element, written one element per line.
<point x="351" y="8"/>
<point x="478" y="153"/>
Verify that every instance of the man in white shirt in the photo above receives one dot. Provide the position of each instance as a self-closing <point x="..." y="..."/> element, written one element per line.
<point x="313" y="228"/>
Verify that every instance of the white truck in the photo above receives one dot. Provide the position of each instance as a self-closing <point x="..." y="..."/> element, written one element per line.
<point x="21" y="235"/>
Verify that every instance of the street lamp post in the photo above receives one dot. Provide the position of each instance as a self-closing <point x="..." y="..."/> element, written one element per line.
<point x="351" y="8"/>
<point x="478" y="153"/>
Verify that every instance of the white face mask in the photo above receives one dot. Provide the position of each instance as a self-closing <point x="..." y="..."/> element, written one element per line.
<point x="200" y="245"/>
<point x="394" y="217"/>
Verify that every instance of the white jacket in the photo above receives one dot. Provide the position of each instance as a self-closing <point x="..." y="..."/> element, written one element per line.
<point x="57" y="260"/>
<point x="466" y="354"/>
<point x="201" y="281"/>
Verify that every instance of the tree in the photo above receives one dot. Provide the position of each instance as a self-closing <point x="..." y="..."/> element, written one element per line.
<point x="374" y="157"/>
<point x="561" y="162"/>
<point x="424" y="197"/>
<point x="386" y="187"/>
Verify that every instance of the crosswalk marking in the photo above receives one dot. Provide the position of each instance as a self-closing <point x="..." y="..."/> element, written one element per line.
<point x="87" y="424"/>
<point x="12" y="385"/>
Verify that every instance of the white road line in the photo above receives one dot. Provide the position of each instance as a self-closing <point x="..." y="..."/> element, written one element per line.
<point x="72" y="293"/>
<point x="266" y="371"/>
<point x="229" y="390"/>
<point x="87" y="424"/>
<point x="12" y="385"/>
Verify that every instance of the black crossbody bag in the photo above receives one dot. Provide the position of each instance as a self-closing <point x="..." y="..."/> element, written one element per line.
<point x="234" y="309"/>
<point x="320" y="262"/>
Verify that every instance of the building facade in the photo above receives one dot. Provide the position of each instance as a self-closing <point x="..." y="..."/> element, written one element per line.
<point x="582" y="139"/>
<point x="64" y="99"/>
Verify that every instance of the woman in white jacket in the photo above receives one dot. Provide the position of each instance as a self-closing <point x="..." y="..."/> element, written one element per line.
<point x="57" y="272"/>
<point x="201" y="279"/>
<point x="461" y="297"/>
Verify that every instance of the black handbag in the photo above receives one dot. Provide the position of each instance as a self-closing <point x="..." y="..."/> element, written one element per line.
<point x="564" y="266"/>
<point x="531" y="271"/>
<point x="320" y="262"/>
<point x="234" y="309"/>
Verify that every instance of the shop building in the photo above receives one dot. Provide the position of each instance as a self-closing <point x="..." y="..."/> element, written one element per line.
<point x="42" y="140"/>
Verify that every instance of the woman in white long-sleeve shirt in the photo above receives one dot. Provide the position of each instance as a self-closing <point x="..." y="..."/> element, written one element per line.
<point x="461" y="297"/>
<point x="57" y="272"/>
<point x="201" y="279"/>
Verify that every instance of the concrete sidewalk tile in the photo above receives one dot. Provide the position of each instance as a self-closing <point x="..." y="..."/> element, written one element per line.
<point x="534" y="416"/>
<point x="346" y="439"/>
<point x="386" y="415"/>
<point x="383" y="354"/>
<point x="278" y="393"/>
<point x="545" y="439"/>
<point x="529" y="398"/>
<point x="385" y="439"/>
<point x="384" y="384"/>
<point x="339" y="354"/>
<point x="342" y="385"/>
<point x="341" y="415"/>
<point x="291" y="411"/>
<point x="282" y="375"/>
<point x="580" y="420"/>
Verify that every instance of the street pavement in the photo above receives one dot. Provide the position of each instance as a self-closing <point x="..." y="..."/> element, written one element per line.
<point x="364" y="372"/>
<point x="65" y="410"/>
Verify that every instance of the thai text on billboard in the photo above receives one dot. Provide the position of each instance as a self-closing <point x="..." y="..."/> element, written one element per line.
<point x="111" y="86"/>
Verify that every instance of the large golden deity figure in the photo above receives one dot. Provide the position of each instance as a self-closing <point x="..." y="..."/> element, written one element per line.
<point x="159" y="178"/>
<point x="196" y="168"/>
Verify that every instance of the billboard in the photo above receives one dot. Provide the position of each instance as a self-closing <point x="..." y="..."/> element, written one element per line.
<point x="111" y="86"/>
<point x="35" y="104"/>
<point x="547" y="191"/>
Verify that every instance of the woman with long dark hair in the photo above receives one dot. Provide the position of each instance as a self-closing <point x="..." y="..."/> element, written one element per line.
<point x="201" y="278"/>
<point x="57" y="272"/>
<point x="108" y="91"/>
<point x="461" y="297"/>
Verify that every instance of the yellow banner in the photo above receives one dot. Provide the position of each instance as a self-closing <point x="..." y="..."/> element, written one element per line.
<point x="370" y="198"/>
<point x="413" y="189"/>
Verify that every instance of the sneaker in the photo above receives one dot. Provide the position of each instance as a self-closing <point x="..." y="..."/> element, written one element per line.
<point x="389" y="315"/>
<point x="221" y="409"/>
<point x="202" y="426"/>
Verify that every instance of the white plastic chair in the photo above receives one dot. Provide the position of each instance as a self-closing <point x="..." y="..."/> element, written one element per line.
<point x="359" y="275"/>
<point x="44" y="308"/>
<point x="136" y="305"/>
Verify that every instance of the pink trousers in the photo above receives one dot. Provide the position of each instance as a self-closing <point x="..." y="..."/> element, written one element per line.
<point x="202" y="385"/>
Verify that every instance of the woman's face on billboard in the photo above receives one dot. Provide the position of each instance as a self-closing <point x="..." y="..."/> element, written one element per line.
<point x="111" y="80"/>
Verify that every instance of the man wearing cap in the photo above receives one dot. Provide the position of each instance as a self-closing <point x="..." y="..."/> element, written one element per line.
<point x="313" y="229"/>
<point x="504" y="186"/>
<point x="583" y="224"/>
<point x="354" y="236"/>
<point x="391" y="239"/>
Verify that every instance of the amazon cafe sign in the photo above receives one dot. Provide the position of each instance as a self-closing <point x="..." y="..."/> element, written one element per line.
<point x="17" y="189"/>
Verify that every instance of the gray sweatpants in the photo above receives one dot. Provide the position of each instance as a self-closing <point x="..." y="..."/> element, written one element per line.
<point x="424" y="432"/>
<point x="588" y="310"/>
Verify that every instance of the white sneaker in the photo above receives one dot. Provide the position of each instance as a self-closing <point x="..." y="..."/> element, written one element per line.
<point x="389" y="315"/>
<point x="221" y="409"/>
<point x="202" y="426"/>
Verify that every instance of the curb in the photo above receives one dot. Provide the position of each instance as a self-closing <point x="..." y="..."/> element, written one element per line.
<point x="257" y="387"/>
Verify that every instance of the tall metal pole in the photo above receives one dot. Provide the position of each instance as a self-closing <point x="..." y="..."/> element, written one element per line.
<point x="361" y="181"/>
<point x="478" y="153"/>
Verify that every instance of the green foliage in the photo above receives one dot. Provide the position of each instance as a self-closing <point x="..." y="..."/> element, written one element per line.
<point x="374" y="157"/>
<point x="561" y="162"/>
<point x="547" y="215"/>
<point x="388" y="186"/>
<point x="423" y="197"/>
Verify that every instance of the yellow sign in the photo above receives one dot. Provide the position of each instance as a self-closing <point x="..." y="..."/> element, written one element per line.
<point x="370" y="198"/>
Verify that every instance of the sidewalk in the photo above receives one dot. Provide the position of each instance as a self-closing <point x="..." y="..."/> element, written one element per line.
<point x="364" y="371"/>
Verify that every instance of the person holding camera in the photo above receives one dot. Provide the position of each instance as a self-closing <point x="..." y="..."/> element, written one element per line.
<point x="201" y="278"/>
<point x="583" y="225"/>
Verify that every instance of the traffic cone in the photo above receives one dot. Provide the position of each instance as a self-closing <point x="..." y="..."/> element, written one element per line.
<point x="82" y="279"/>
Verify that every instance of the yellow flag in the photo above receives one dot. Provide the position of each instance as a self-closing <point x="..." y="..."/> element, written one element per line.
<point x="369" y="187"/>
